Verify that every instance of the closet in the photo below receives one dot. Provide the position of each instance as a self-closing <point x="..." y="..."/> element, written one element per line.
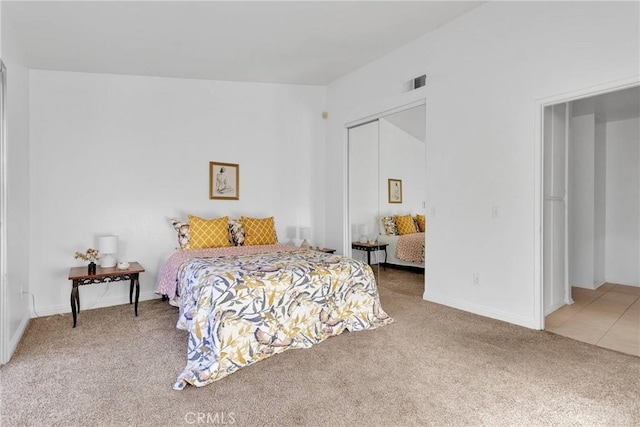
<point x="386" y="146"/>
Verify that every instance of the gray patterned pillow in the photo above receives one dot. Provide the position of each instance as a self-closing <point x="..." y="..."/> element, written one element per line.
<point x="183" y="230"/>
<point x="389" y="224"/>
<point x="237" y="232"/>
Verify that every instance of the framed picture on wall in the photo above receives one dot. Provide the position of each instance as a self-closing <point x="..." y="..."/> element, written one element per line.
<point x="224" y="181"/>
<point x="395" y="190"/>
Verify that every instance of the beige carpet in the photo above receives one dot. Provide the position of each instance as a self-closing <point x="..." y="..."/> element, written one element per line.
<point x="433" y="366"/>
<point x="402" y="281"/>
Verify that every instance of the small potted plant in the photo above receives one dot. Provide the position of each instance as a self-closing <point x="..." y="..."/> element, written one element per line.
<point x="91" y="255"/>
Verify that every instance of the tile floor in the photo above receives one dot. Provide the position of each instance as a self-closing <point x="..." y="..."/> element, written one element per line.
<point x="607" y="317"/>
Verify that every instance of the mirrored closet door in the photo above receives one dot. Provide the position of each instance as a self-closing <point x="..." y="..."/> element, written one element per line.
<point x="364" y="192"/>
<point x="387" y="169"/>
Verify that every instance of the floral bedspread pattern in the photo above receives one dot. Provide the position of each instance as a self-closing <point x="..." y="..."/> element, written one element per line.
<point x="411" y="247"/>
<point x="241" y="309"/>
<point x="167" y="284"/>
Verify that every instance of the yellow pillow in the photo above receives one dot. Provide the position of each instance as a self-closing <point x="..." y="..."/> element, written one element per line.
<point x="421" y="223"/>
<point x="259" y="231"/>
<point x="405" y="224"/>
<point x="208" y="233"/>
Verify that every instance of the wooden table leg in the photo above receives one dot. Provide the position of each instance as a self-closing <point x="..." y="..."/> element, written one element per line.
<point x="75" y="303"/>
<point x="131" y="291"/>
<point x="137" y="294"/>
<point x="385" y="258"/>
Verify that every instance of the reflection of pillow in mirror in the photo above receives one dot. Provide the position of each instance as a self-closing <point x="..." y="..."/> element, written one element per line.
<point x="405" y="224"/>
<point x="209" y="233"/>
<point x="389" y="224"/>
<point x="421" y="223"/>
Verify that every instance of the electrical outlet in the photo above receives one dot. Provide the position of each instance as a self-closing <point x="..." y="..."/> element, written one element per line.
<point x="476" y="279"/>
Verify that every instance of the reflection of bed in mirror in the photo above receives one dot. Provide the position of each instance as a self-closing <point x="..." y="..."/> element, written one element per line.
<point x="411" y="252"/>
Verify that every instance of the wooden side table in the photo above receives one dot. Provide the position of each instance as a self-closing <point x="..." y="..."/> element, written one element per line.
<point x="369" y="247"/>
<point x="79" y="276"/>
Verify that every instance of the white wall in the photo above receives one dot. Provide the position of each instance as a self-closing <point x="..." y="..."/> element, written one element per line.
<point x="604" y="201"/>
<point x="485" y="71"/>
<point x="587" y="166"/>
<point x="623" y="202"/>
<point x="17" y="175"/>
<point x="600" y="201"/>
<point x="121" y="154"/>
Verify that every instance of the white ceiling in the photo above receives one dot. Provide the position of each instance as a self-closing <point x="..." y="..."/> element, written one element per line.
<point x="309" y="42"/>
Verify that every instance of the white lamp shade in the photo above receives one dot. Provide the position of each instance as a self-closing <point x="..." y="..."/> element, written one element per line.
<point x="305" y="233"/>
<point x="292" y="232"/>
<point x="107" y="245"/>
<point x="363" y="229"/>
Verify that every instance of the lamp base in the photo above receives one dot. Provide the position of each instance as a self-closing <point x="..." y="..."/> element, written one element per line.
<point x="305" y="244"/>
<point x="107" y="261"/>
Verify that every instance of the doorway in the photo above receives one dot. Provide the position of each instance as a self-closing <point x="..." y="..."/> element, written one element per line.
<point x="591" y="215"/>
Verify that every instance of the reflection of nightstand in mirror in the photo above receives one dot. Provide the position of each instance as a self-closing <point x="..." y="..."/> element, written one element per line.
<point x="325" y="250"/>
<point x="370" y="247"/>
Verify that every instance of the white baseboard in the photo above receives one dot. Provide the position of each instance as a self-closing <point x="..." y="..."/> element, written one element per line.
<point x="102" y="302"/>
<point x="527" y="322"/>
<point x="15" y="339"/>
<point x="590" y="287"/>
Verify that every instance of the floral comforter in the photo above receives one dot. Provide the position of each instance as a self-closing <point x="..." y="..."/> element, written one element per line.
<point x="239" y="310"/>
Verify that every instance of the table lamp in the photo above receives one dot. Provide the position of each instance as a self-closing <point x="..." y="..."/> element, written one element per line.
<point x="107" y="245"/>
<point x="305" y="233"/>
<point x="363" y="229"/>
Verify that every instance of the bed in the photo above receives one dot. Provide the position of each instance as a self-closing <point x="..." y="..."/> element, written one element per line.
<point x="405" y="237"/>
<point x="240" y="305"/>
<point x="406" y="250"/>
